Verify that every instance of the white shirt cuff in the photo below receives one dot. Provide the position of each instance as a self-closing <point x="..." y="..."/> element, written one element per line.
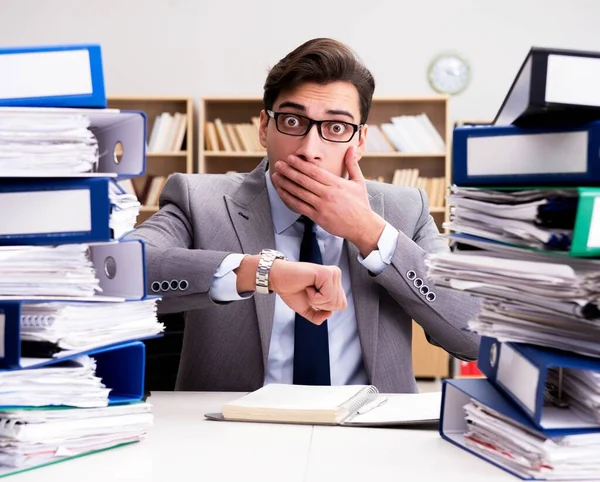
<point x="223" y="286"/>
<point x="378" y="259"/>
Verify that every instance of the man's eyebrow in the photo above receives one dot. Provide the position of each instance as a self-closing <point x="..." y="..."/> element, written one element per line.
<point x="300" y="107"/>
<point x="340" y="112"/>
<point x="293" y="105"/>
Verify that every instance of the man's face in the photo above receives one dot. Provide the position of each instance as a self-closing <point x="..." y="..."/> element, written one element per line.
<point x="336" y="101"/>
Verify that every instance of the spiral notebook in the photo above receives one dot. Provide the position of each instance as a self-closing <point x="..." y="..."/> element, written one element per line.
<point x="351" y="405"/>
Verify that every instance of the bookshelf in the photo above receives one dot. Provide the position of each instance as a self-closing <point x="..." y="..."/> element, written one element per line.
<point x="168" y="150"/>
<point x="382" y="162"/>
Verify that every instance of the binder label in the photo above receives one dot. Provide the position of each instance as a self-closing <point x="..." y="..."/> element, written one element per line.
<point x="64" y="211"/>
<point x="594" y="232"/>
<point x="2" y="323"/>
<point x="517" y="375"/>
<point x="573" y="80"/>
<point x="528" y="154"/>
<point x="45" y="74"/>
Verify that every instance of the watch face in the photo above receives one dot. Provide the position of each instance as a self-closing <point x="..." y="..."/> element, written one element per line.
<point x="449" y="74"/>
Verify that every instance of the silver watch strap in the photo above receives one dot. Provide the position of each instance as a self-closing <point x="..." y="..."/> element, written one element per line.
<point x="267" y="258"/>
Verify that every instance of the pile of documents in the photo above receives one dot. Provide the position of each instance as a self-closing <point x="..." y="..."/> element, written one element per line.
<point x="61" y="270"/>
<point x="532" y="454"/>
<point x="35" y="437"/>
<point x="525" y="235"/>
<point x="549" y="303"/>
<point x="74" y="307"/>
<point x="55" y="329"/>
<point x="46" y="144"/>
<point x="73" y="382"/>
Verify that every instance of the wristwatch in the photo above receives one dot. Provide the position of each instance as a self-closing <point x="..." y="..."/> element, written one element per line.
<point x="267" y="258"/>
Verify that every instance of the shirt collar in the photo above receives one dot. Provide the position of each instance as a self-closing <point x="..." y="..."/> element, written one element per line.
<point x="283" y="217"/>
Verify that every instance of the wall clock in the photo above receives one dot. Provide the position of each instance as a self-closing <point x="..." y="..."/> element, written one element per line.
<point x="449" y="73"/>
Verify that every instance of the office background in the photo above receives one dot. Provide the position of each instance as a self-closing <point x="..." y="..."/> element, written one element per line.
<point x="196" y="48"/>
<point x="199" y="47"/>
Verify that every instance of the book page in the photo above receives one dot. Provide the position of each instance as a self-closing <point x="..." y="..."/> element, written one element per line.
<point x="402" y="408"/>
<point x="298" y="397"/>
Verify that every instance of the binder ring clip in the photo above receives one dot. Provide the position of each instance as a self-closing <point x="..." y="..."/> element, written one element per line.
<point x="110" y="267"/>
<point x="493" y="354"/>
<point x="118" y="152"/>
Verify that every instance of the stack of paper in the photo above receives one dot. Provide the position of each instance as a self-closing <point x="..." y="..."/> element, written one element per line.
<point x="125" y="209"/>
<point x="46" y="144"/>
<point x="75" y="327"/>
<point x="581" y="389"/>
<point x="533" y="455"/>
<point x="546" y="303"/>
<point x="72" y="383"/>
<point x="541" y="218"/>
<point x="63" y="270"/>
<point x="38" y="436"/>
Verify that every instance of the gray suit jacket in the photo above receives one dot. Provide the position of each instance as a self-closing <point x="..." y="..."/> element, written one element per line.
<point x="203" y="218"/>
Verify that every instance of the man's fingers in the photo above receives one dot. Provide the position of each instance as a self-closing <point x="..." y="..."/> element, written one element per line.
<point x="296" y="204"/>
<point x="316" y="316"/>
<point x="351" y="161"/>
<point x="282" y="182"/>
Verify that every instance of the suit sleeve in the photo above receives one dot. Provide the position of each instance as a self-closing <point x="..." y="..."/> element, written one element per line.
<point x="443" y="314"/>
<point x="168" y="237"/>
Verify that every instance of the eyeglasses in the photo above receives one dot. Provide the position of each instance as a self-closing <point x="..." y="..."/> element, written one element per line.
<point x="299" y="125"/>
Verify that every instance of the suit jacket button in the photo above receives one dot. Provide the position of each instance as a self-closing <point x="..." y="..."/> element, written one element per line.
<point x="411" y="275"/>
<point x="430" y="296"/>
<point x="424" y="289"/>
<point x="174" y="284"/>
<point x="418" y="282"/>
<point x="183" y="285"/>
<point x="155" y="286"/>
<point x="165" y="285"/>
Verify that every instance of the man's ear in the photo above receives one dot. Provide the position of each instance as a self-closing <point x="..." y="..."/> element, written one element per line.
<point x="262" y="130"/>
<point x="362" y="141"/>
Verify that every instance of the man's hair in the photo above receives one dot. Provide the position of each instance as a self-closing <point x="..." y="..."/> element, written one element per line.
<point x="322" y="61"/>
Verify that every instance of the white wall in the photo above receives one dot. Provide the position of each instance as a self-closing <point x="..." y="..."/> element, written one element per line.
<point x="196" y="47"/>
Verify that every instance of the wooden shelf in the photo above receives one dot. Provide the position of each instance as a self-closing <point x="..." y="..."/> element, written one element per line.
<point x="234" y="154"/>
<point x="167" y="154"/>
<point x="160" y="164"/>
<point x="148" y="209"/>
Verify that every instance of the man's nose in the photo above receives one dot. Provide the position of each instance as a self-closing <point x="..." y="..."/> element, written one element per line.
<point x="311" y="146"/>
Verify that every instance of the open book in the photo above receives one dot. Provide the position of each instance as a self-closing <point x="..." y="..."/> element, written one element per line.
<point x="352" y="405"/>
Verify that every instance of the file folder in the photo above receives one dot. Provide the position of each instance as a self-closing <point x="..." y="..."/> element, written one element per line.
<point x="553" y="87"/>
<point x="456" y="393"/>
<point x="10" y="339"/>
<point x="121" y="136"/>
<point x="570" y="218"/>
<point x="54" y="211"/>
<point x="120" y="269"/>
<point x="52" y="76"/>
<point x="514" y="156"/>
<point x="120" y="366"/>
<point x="520" y="371"/>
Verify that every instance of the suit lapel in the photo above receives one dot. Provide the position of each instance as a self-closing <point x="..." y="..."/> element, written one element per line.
<point x="365" y="293"/>
<point x="250" y="214"/>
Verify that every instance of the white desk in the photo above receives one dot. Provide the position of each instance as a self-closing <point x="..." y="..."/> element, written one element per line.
<point x="184" y="446"/>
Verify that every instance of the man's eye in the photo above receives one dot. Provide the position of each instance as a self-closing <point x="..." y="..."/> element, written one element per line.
<point x="291" y="121"/>
<point x="337" y="128"/>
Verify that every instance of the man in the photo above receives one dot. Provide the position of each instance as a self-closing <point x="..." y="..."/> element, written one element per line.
<point x="301" y="271"/>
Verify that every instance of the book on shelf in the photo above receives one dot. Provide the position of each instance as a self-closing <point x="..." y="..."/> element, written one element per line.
<point x="168" y="133"/>
<point x="405" y="133"/>
<point x="232" y="137"/>
<point x="351" y="405"/>
<point x="434" y="187"/>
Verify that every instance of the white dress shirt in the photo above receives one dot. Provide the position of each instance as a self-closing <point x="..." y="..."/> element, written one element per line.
<point x="345" y="356"/>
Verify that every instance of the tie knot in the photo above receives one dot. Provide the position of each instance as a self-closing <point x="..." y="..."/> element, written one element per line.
<point x="308" y="223"/>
